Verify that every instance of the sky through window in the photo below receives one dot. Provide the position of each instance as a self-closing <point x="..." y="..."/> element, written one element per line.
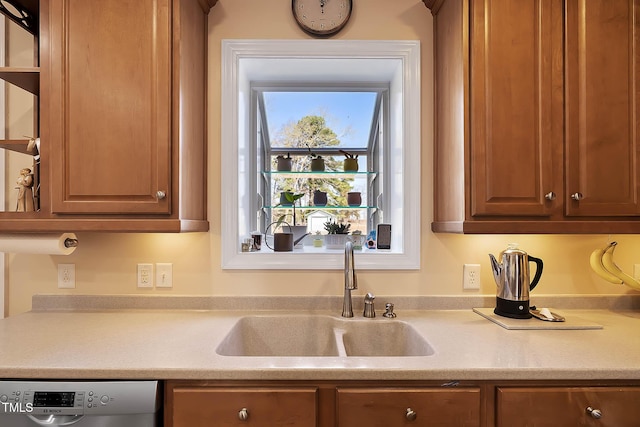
<point x="348" y="114"/>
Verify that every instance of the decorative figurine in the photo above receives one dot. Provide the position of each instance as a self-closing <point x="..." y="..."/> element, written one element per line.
<point x="25" y="191"/>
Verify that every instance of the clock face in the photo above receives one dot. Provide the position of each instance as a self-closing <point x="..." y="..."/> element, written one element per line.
<point x="321" y="17"/>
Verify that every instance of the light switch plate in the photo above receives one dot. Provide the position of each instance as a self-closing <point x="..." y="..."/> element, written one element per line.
<point x="164" y="275"/>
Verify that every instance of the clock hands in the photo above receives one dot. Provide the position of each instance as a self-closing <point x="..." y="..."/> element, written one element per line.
<point x="322" y="2"/>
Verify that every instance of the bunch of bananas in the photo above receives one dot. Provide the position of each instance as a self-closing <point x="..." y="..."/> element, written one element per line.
<point x="602" y="263"/>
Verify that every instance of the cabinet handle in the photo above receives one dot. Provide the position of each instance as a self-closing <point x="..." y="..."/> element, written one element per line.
<point x="595" y="413"/>
<point x="411" y="414"/>
<point x="243" y="414"/>
<point x="550" y="195"/>
<point x="577" y="196"/>
<point x="161" y="194"/>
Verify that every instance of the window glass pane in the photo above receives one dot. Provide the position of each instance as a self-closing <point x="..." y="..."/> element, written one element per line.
<point x="348" y="114"/>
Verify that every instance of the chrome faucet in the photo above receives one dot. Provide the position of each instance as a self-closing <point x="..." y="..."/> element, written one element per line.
<point x="350" y="280"/>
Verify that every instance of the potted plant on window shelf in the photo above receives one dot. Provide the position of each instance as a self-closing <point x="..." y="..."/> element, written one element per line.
<point x="289" y="199"/>
<point x="283" y="164"/>
<point x="337" y="234"/>
<point x="317" y="162"/>
<point x="350" y="163"/>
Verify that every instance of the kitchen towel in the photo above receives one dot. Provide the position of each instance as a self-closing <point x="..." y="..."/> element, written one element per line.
<point x="51" y="244"/>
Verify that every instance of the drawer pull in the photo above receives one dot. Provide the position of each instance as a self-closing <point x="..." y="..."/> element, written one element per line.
<point x="243" y="414"/>
<point x="595" y="413"/>
<point x="577" y="196"/>
<point x="550" y="195"/>
<point x="411" y="414"/>
<point x="161" y="194"/>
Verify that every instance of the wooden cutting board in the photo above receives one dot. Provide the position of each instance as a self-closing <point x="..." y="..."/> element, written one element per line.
<point x="571" y="322"/>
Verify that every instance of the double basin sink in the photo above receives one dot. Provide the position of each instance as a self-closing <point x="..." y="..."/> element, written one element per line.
<point x="322" y="336"/>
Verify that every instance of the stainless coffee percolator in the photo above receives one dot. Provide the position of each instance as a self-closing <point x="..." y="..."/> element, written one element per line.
<point x="511" y="274"/>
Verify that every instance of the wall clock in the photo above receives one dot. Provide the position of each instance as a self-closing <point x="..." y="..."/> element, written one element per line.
<point x="321" y="17"/>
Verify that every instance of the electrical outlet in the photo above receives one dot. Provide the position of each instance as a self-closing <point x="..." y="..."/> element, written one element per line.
<point x="145" y="275"/>
<point x="164" y="275"/>
<point x="66" y="276"/>
<point x="471" y="277"/>
<point x="636" y="271"/>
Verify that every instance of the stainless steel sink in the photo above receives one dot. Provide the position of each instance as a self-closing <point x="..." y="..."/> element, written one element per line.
<point x="322" y="336"/>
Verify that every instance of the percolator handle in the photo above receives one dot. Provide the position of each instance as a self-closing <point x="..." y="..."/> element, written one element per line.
<point x="536" y="278"/>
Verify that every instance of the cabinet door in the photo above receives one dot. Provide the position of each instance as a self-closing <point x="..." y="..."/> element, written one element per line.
<point x="110" y="106"/>
<point x="389" y="407"/>
<point x="261" y="407"/>
<point x="516" y="107"/>
<point x="567" y="407"/>
<point x="602" y="117"/>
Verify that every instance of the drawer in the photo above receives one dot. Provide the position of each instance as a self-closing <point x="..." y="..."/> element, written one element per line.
<point x="261" y="407"/>
<point x="568" y="406"/>
<point x="388" y="407"/>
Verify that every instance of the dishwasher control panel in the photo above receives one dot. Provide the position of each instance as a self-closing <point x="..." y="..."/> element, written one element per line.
<point x="78" y="397"/>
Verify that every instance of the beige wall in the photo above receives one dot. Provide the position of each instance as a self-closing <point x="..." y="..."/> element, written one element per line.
<point x="106" y="263"/>
<point x="19" y="117"/>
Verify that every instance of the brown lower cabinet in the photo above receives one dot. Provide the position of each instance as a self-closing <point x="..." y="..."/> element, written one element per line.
<point x="245" y="406"/>
<point x="392" y="406"/>
<point x="568" y="406"/>
<point x="404" y="403"/>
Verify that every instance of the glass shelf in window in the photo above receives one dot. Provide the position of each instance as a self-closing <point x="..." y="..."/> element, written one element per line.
<point x="326" y="207"/>
<point x="315" y="174"/>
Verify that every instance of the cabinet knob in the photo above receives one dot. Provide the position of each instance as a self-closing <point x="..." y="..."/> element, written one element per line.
<point x="411" y="414"/>
<point x="161" y="194"/>
<point x="243" y="414"/>
<point x="577" y="196"/>
<point x="595" y="413"/>
<point x="550" y="195"/>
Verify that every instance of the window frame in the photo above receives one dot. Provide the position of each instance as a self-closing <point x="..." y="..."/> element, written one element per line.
<point x="372" y="151"/>
<point x="403" y="59"/>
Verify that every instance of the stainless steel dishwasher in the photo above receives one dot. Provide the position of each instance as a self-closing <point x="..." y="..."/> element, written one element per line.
<point x="79" y="403"/>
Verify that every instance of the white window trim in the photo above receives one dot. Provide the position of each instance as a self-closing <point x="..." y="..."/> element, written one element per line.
<point x="3" y="289"/>
<point x="406" y="138"/>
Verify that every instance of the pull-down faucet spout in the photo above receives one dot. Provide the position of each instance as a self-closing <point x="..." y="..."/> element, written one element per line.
<point x="350" y="280"/>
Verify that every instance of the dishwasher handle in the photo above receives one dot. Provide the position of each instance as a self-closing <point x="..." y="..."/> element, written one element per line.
<point x="55" y="420"/>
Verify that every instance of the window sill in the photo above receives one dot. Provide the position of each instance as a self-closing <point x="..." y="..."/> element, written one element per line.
<point x="311" y="258"/>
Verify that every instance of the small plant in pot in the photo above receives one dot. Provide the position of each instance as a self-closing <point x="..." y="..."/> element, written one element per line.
<point x="283" y="163"/>
<point x="289" y="199"/>
<point x="336" y="228"/>
<point x="319" y="198"/>
<point x="337" y="236"/>
<point x="317" y="162"/>
<point x="350" y="163"/>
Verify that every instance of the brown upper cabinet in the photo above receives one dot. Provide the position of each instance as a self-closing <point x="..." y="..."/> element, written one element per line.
<point x="122" y="117"/>
<point x="536" y="116"/>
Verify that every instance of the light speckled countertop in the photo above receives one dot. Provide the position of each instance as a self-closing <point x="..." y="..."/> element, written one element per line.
<point x="85" y="339"/>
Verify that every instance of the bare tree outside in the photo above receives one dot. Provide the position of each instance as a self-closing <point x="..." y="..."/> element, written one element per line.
<point x="311" y="132"/>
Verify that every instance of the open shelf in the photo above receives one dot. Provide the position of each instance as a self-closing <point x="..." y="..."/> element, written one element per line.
<point x="17" y="145"/>
<point x="27" y="78"/>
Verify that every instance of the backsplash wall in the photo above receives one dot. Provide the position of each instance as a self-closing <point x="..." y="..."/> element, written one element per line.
<point x="106" y="263"/>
